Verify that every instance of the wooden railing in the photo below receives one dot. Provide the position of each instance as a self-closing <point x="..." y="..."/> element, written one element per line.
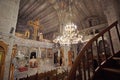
<point x="95" y="52"/>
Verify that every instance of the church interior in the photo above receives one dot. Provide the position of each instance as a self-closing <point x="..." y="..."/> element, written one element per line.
<point x="59" y="39"/>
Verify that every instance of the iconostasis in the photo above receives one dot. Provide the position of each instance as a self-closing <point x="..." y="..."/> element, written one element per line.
<point x="31" y="54"/>
<point x="32" y="57"/>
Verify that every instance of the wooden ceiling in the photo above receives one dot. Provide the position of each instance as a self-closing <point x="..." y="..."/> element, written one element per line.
<point x="48" y="11"/>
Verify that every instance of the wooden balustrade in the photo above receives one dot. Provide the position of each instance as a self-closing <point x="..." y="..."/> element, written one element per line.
<point x="84" y="66"/>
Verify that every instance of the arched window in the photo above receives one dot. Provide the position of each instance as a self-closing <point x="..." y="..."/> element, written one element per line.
<point x="33" y="54"/>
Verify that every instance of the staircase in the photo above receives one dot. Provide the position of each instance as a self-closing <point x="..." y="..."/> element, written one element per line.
<point x="110" y="70"/>
<point x="99" y="59"/>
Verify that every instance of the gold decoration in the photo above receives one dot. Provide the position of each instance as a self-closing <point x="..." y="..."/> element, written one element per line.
<point x="36" y="26"/>
<point x="27" y="34"/>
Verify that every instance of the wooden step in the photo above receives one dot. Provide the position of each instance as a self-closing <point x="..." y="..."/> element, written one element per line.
<point x="116" y="58"/>
<point x="111" y="73"/>
<point x="117" y="54"/>
<point x="117" y="71"/>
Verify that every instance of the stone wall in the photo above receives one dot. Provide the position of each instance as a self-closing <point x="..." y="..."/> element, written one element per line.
<point x="8" y="15"/>
<point x="112" y="12"/>
<point x="8" y="19"/>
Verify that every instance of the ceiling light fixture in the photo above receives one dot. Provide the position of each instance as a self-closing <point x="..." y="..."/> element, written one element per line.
<point x="70" y="34"/>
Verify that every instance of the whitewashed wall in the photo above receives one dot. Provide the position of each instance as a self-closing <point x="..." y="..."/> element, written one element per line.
<point x="8" y="19"/>
<point x="111" y="10"/>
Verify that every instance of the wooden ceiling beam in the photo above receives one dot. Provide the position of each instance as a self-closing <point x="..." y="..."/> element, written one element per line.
<point x="52" y="22"/>
<point x="32" y="9"/>
<point x="39" y="11"/>
<point x="54" y="28"/>
<point x="90" y="7"/>
<point x="45" y="13"/>
<point x="28" y="10"/>
<point x="99" y="9"/>
<point x="80" y="18"/>
<point x="23" y="3"/>
<point x="49" y="17"/>
<point x="23" y="10"/>
<point x="83" y="8"/>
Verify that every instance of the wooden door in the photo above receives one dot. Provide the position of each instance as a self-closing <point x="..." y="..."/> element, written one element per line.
<point x="3" y="50"/>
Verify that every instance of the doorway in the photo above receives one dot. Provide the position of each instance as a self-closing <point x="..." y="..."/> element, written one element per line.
<point x="3" y="50"/>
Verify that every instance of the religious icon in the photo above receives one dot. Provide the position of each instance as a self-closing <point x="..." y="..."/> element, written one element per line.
<point x="21" y="61"/>
<point x="36" y="26"/>
<point x="33" y="62"/>
<point x="40" y="36"/>
<point x="49" y="53"/>
<point x="27" y="34"/>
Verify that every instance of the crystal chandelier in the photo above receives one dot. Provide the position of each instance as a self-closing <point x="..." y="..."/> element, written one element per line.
<point x="70" y="34"/>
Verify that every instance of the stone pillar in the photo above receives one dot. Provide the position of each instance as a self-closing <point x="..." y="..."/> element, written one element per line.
<point x="111" y="10"/>
<point x="75" y="51"/>
<point x="66" y="49"/>
<point x="8" y="19"/>
<point x="8" y="15"/>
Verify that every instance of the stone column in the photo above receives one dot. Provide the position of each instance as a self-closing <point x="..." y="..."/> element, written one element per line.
<point x="66" y="49"/>
<point x="8" y="15"/>
<point x="112" y="12"/>
<point x="8" y="19"/>
<point x="75" y="51"/>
